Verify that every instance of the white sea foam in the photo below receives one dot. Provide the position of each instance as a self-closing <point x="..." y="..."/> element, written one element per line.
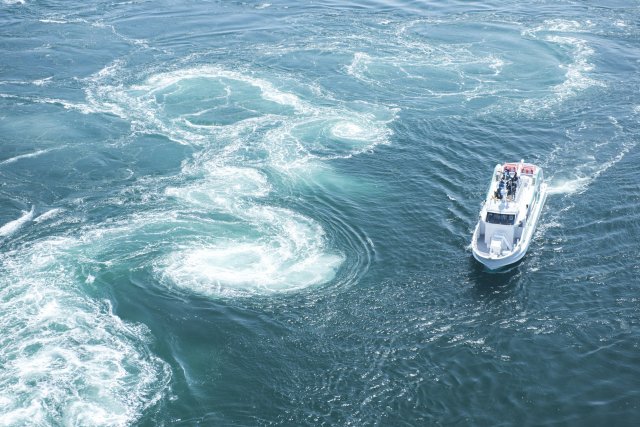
<point x="66" y="359"/>
<point x="25" y="156"/>
<point x="349" y="130"/>
<point x="253" y="248"/>
<point x="269" y="92"/>
<point x="358" y="65"/>
<point x="556" y="26"/>
<point x="83" y="108"/>
<point x="48" y="215"/>
<point x="53" y="21"/>
<point x="221" y="188"/>
<point x="590" y="172"/>
<point x="437" y="70"/>
<point x="577" y="77"/>
<point x="325" y="135"/>
<point x="42" y="82"/>
<point x="13" y="226"/>
<point x="577" y="185"/>
<point x="150" y="107"/>
<point x="411" y="66"/>
<point x="289" y="254"/>
<point x="280" y="250"/>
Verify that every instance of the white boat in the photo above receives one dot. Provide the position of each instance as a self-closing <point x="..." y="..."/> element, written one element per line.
<point x="509" y="214"/>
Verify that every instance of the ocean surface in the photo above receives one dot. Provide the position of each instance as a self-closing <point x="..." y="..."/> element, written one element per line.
<point x="259" y="213"/>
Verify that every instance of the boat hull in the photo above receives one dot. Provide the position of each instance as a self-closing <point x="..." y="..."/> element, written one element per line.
<point x="493" y="262"/>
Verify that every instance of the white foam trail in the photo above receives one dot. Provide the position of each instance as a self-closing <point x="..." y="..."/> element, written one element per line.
<point x="48" y="215"/>
<point x="25" y="156"/>
<point x="428" y="70"/>
<point x="53" y="21"/>
<point x="110" y="69"/>
<point x="149" y="106"/>
<point x="83" y="108"/>
<point x="13" y="226"/>
<point x="42" y="82"/>
<point x="269" y="92"/>
<point x="557" y="26"/>
<point x="66" y="359"/>
<point x="581" y="184"/>
<point x="577" y="185"/>
<point x="577" y="77"/>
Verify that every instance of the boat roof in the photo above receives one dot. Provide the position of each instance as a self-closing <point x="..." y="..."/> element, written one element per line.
<point x="502" y="206"/>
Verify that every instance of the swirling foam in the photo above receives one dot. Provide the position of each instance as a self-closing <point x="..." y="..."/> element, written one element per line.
<point x="242" y="125"/>
<point x="239" y="112"/>
<point x="66" y="359"/>
<point x="576" y="77"/>
<point x="289" y="254"/>
<point x="278" y="251"/>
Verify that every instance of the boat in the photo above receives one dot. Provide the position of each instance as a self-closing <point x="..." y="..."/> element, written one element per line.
<point x="509" y="214"/>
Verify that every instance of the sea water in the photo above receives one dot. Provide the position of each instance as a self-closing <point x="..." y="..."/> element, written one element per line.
<point x="259" y="213"/>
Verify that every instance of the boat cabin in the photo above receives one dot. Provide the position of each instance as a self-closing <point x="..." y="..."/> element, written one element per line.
<point x="509" y="214"/>
<point x="506" y="209"/>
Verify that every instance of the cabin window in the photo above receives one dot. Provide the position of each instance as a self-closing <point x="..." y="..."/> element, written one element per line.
<point x="497" y="218"/>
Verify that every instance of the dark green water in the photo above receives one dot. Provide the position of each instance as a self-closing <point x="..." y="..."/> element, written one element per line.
<point x="252" y="213"/>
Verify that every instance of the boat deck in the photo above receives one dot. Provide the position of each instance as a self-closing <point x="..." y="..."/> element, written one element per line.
<point x="509" y="214"/>
<point x="481" y="245"/>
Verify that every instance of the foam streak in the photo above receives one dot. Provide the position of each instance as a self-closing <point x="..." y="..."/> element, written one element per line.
<point x="13" y="226"/>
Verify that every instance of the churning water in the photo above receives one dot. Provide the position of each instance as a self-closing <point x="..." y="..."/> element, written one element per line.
<point x="251" y="213"/>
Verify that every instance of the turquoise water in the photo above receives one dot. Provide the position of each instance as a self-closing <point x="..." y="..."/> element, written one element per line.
<point x="259" y="213"/>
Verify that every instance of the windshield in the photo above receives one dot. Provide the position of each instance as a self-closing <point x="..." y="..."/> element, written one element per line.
<point x="497" y="218"/>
